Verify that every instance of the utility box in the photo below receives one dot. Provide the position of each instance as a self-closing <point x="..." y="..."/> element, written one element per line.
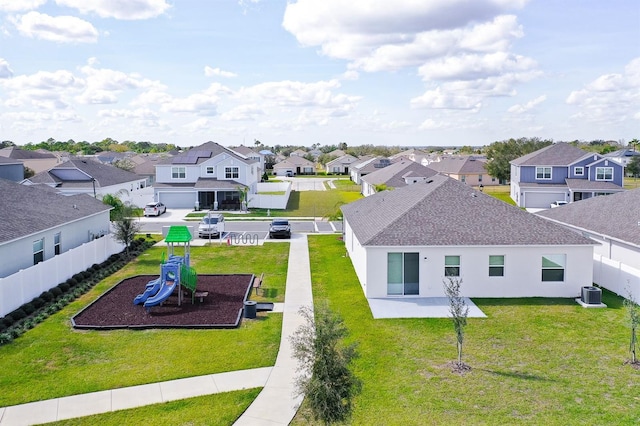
<point x="591" y="295"/>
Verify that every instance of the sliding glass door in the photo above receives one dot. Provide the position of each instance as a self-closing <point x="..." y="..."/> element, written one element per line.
<point x="403" y="277"/>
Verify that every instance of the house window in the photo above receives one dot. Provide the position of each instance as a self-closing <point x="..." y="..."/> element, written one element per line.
<point x="496" y="266"/>
<point x="178" y="172"/>
<point x="479" y="178"/>
<point x="553" y="267"/>
<point x="56" y="244"/>
<point x="452" y="266"/>
<point x="336" y="169"/>
<point x="463" y="178"/>
<point x="543" y="173"/>
<point x="38" y="251"/>
<point x="403" y="277"/>
<point x="231" y="173"/>
<point x="210" y="170"/>
<point x="604" y="173"/>
<point x="578" y="171"/>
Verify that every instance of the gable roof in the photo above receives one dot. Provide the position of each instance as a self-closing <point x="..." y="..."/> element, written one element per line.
<point x="557" y="154"/>
<point x="616" y="215"/>
<point x="344" y="159"/>
<point x="78" y="172"/>
<point x="294" y="161"/>
<point x="7" y="161"/>
<point x="393" y="175"/>
<point x="245" y="150"/>
<point x="200" y="154"/>
<point x="24" y="154"/>
<point x="445" y="212"/>
<point x="465" y="165"/>
<point x="29" y="209"/>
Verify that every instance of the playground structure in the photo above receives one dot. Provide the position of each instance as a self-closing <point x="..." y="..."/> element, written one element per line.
<point x="174" y="273"/>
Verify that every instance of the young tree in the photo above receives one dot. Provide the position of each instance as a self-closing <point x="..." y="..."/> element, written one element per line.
<point x="633" y="167"/>
<point x="326" y="379"/>
<point x="126" y="226"/>
<point x="459" y="311"/>
<point x="634" y="320"/>
<point x="501" y="153"/>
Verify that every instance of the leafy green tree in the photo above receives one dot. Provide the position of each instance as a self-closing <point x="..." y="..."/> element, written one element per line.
<point x="115" y="202"/>
<point x="126" y="225"/>
<point x="326" y="380"/>
<point x="633" y="168"/>
<point x="125" y="164"/>
<point x="499" y="154"/>
<point x="459" y="312"/>
<point x="28" y="172"/>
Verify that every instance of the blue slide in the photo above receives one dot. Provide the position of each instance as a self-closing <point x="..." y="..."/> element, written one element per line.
<point x="150" y="289"/>
<point x="169" y="278"/>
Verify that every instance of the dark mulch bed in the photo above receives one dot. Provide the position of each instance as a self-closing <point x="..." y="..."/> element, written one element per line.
<point x="222" y="308"/>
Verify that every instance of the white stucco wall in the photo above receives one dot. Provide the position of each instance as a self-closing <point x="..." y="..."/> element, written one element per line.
<point x="522" y="273"/>
<point x="18" y="254"/>
<point x="357" y="254"/>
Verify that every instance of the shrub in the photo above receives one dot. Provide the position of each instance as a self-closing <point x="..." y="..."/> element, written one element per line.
<point x="28" y="308"/>
<point x="18" y="314"/>
<point x="6" y="321"/>
<point x="55" y="291"/>
<point x="72" y="282"/>
<point x="77" y="277"/>
<point x="5" y="338"/>
<point x="64" y="287"/>
<point x="38" y="302"/>
<point x="47" y="296"/>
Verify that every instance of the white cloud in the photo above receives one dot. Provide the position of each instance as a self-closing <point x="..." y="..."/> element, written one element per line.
<point x="103" y="85"/>
<point x="210" y="72"/>
<point x="299" y="94"/>
<point x="473" y="66"/>
<point x="64" y="29"/>
<point x="198" y="103"/>
<point x="610" y="97"/>
<point x="128" y="10"/>
<point x="242" y="113"/>
<point x="143" y="113"/>
<point x="20" y="5"/>
<point x="522" y="108"/>
<point x="5" y="70"/>
<point x="198" y="125"/>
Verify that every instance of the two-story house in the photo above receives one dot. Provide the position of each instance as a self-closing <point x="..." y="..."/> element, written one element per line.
<point x="562" y="172"/>
<point x="208" y="176"/>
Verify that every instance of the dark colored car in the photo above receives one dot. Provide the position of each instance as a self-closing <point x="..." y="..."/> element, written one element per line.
<point x="280" y="228"/>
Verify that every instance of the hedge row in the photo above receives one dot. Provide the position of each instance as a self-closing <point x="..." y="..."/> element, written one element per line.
<point x="51" y="301"/>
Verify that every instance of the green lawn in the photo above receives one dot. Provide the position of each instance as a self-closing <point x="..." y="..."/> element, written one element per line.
<point x="54" y="360"/>
<point x="535" y="361"/>
<point x="501" y="192"/>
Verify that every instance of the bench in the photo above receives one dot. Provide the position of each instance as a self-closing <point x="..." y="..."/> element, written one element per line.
<point x="201" y="295"/>
<point x="257" y="283"/>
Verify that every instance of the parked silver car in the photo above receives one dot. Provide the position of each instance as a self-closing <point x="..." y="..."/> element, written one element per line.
<point x="212" y="225"/>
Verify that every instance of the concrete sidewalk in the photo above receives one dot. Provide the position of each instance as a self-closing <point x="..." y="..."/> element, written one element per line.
<point x="275" y="405"/>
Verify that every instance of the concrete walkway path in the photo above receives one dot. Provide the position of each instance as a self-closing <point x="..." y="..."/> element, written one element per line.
<point x="275" y="405"/>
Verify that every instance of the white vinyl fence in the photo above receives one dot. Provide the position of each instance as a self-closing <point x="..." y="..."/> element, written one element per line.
<point x="21" y="287"/>
<point x="271" y="201"/>
<point x="615" y="276"/>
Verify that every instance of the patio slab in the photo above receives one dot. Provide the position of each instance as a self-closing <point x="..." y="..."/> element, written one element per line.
<point x="418" y="307"/>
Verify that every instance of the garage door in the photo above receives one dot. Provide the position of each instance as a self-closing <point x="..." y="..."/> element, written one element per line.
<point x="542" y="200"/>
<point x="178" y="200"/>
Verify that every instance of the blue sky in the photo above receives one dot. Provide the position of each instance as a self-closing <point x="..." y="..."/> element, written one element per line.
<point x="398" y="73"/>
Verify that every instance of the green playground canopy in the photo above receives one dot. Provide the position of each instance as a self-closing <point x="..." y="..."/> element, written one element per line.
<point x="178" y="234"/>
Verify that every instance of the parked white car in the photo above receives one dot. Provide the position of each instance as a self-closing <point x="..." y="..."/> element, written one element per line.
<point x="212" y="225"/>
<point x="154" y="209"/>
<point x="558" y="204"/>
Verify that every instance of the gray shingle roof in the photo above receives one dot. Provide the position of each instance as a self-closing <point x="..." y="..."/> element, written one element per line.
<point x="446" y="212"/>
<point x="616" y="215"/>
<point x="27" y="209"/>
<point x="557" y="154"/>
<point x="393" y="174"/>
<point x="104" y="174"/>
<point x="589" y="185"/>
<point x="24" y="154"/>
<point x="215" y="149"/>
<point x="460" y="165"/>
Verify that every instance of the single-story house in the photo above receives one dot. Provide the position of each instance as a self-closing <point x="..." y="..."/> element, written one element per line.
<point x="405" y="242"/>
<point x="38" y="223"/>
<point x="467" y="169"/>
<point x="395" y="175"/>
<point x="294" y="165"/>
<point x="614" y="223"/>
<point x="87" y="176"/>
<point x="35" y="160"/>
<point x="341" y="164"/>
